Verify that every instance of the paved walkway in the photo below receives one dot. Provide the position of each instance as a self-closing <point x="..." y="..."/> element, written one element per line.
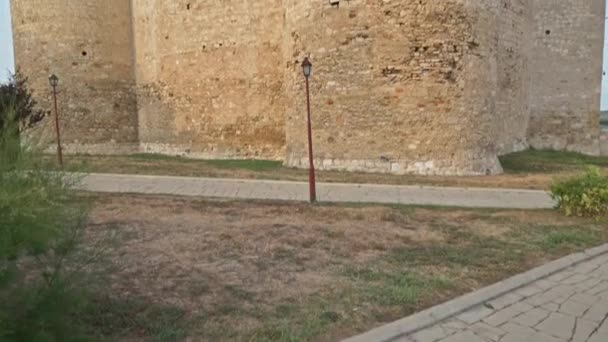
<point x="569" y="306"/>
<point x="327" y="192"/>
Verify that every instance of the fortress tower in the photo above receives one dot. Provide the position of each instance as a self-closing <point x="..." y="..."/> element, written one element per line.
<point x="89" y="44"/>
<point x="400" y="86"/>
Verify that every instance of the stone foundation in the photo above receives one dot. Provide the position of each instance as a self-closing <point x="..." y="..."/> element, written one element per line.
<point x="476" y="167"/>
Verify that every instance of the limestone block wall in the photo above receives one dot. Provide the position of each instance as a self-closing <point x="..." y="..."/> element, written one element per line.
<point x="88" y="44"/>
<point x="210" y="77"/>
<point x="394" y="87"/>
<point x="604" y="143"/>
<point x="566" y="69"/>
<point x="512" y="22"/>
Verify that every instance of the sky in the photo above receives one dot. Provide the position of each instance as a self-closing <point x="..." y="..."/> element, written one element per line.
<point x="7" y="59"/>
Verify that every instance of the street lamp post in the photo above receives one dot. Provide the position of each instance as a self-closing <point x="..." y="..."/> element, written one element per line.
<point x="54" y="81"/>
<point x="307" y="68"/>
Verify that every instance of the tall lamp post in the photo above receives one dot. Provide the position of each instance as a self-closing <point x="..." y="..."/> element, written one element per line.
<point x="307" y="68"/>
<point x="54" y="81"/>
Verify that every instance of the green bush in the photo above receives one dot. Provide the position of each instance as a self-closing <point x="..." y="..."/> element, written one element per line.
<point x="41" y="221"/>
<point x="584" y="195"/>
<point x="16" y="97"/>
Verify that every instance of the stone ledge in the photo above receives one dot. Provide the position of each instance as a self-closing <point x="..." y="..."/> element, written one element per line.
<point x="441" y="312"/>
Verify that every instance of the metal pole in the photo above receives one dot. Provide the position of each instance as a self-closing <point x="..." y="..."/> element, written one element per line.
<point x="311" y="171"/>
<point x="59" y="152"/>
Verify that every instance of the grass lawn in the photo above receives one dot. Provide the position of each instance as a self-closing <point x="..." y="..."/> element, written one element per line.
<point x="526" y="170"/>
<point x="209" y="270"/>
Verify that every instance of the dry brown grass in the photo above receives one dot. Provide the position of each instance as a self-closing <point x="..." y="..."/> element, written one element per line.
<point x="260" y="246"/>
<point x="283" y="271"/>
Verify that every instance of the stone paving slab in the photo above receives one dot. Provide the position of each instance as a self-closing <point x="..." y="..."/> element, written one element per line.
<point x="570" y="305"/>
<point x="327" y="192"/>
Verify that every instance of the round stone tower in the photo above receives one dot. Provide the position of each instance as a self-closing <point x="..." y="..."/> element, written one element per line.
<point x="88" y="45"/>
<point x="394" y="87"/>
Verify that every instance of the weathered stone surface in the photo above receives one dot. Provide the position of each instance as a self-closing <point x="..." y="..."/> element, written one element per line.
<point x="532" y="317"/>
<point x="428" y="87"/>
<point x="558" y="325"/>
<point x="558" y="295"/>
<point x="604" y="142"/>
<point x="598" y="312"/>
<point x="466" y="336"/>
<point x="475" y="314"/>
<point x="487" y="332"/>
<point x="88" y="44"/>
<point x="574" y="308"/>
<point x="505" y="315"/>
<point x="504" y="301"/>
<point x="583" y="330"/>
<point x="564" y="102"/>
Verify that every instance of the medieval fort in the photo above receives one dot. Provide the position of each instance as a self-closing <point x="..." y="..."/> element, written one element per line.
<point x="398" y="86"/>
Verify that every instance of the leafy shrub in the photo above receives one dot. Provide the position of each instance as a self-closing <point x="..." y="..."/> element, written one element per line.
<point x="16" y="97"/>
<point x="40" y="225"/>
<point x="584" y="195"/>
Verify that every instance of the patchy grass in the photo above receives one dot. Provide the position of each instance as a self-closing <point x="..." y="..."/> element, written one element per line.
<point x="267" y="271"/>
<point x="551" y="239"/>
<point x="529" y="169"/>
<point x="252" y="165"/>
<point x="404" y="289"/>
<point x="116" y="318"/>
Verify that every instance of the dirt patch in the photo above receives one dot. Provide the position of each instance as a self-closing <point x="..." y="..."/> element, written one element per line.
<point x="289" y="271"/>
<point x="214" y="245"/>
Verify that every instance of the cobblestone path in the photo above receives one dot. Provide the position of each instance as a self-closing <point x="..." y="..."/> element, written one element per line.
<point x="570" y="306"/>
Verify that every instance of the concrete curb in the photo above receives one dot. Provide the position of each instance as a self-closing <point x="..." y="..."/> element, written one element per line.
<point x="441" y="312"/>
<point x="337" y="184"/>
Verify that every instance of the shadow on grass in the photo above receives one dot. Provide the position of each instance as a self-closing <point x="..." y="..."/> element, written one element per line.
<point x="542" y="161"/>
<point x="112" y="319"/>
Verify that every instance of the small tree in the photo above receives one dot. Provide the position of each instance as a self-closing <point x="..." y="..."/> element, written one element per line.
<point x="41" y="223"/>
<point x="16" y="96"/>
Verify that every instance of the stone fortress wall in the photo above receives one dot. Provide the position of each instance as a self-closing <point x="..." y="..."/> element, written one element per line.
<point x="210" y="77"/>
<point x="567" y="42"/>
<point x="401" y="86"/>
<point x="88" y="43"/>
